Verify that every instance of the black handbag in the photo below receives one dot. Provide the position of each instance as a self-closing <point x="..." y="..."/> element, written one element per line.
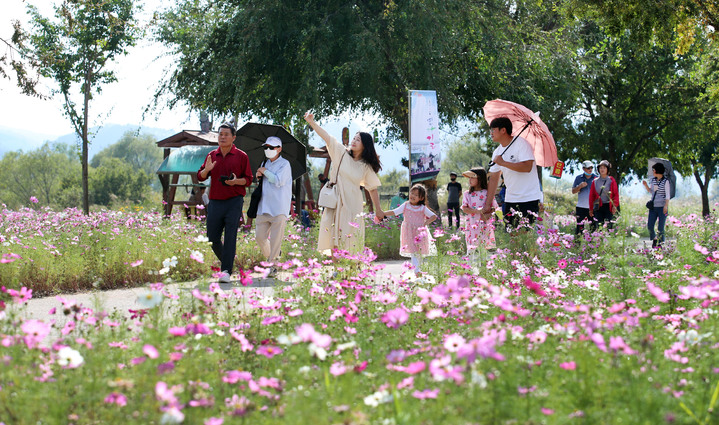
<point x="255" y="198"/>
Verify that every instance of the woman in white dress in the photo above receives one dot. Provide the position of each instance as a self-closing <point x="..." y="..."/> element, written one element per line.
<point x="343" y="227"/>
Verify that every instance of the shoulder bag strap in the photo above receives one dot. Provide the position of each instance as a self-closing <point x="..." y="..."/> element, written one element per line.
<point x="337" y="170"/>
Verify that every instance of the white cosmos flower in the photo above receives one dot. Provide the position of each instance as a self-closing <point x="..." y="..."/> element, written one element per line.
<point x="150" y="299"/>
<point x="170" y="262"/>
<point x="68" y="357"/>
<point x="201" y="238"/>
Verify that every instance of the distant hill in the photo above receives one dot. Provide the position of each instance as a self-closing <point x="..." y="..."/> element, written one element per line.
<point x="12" y="139"/>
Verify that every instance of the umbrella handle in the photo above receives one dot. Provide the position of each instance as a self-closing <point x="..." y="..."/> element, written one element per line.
<point x="531" y="120"/>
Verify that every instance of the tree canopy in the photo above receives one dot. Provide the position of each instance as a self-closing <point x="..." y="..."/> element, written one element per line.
<point x="75" y="50"/>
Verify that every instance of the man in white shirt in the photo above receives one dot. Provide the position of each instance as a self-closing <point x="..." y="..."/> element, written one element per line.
<point x="515" y="162"/>
<point x="274" y="205"/>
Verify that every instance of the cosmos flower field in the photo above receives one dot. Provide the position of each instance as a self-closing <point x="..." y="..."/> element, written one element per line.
<point x="547" y="329"/>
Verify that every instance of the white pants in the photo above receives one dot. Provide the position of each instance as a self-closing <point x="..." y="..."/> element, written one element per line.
<point x="269" y="232"/>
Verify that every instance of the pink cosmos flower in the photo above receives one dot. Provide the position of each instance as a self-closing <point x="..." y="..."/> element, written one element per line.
<point x="136" y="263"/>
<point x="568" y="365"/>
<point x="116" y="398"/>
<point x="150" y="351"/>
<point x="562" y="264"/>
<point x="547" y="411"/>
<point x="272" y="319"/>
<point x="34" y="200"/>
<point x="36" y="331"/>
<point x="214" y="421"/>
<point x="660" y="295"/>
<point x="424" y="394"/>
<point x="177" y="331"/>
<point x="234" y="376"/>
<point x="268" y="351"/>
<point x="395" y="318"/>
<point x="338" y="369"/>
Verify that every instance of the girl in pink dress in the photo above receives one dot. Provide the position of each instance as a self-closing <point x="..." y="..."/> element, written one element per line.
<point x="415" y="239"/>
<point x="479" y="233"/>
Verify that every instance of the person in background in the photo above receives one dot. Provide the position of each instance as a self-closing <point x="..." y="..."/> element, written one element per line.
<point x="603" y="197"/>
<point x="323" y="179"/>
<point x="660" y="189"/>
<point x="229" y="171"/>
<point x="454" y="191"/>
<point x="581" y="187"/>
<point x="415" y="239"/>
<point x="274" y="206"/>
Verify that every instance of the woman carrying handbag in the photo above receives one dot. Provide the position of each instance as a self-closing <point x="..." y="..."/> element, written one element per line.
<point x="342" y="227"/>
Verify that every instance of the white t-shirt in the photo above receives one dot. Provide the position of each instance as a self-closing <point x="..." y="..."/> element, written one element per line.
<point x="521" y="187"/>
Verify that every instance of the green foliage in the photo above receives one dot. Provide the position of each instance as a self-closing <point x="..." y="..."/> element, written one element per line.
<point x="140" y="152"/>
<point x="115" y="179"/>
<point x="40" y="173"/>
<point x="628" y="96"/>
<point x="247" y="57"/>
<point x="75" y="51"/>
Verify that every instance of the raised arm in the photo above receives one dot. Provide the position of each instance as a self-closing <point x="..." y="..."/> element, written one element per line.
<point x="310" y="118"/>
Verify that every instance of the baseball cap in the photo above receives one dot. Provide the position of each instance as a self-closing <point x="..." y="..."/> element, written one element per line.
<point x="273" y="141"/>
<point x="587" y="164"/>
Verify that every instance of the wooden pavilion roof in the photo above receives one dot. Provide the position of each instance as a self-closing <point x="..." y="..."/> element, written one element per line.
<point x="189" y="138"/>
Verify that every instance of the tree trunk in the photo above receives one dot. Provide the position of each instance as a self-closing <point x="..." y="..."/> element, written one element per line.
<point x="704" y="188"/>
<point x="85" y="143"/>
<point x="432" y="201"/>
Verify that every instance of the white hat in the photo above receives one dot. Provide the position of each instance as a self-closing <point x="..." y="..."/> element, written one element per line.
<point x="587" y="164"/>
<point x="273" y="141"/>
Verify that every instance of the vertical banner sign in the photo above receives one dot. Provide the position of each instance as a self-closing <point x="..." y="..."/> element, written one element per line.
<point x="557" y="169"/>
<point x="424" y="143"/>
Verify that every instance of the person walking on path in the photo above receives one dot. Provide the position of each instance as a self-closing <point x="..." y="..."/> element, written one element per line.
<point x="660" y="188"/>
<point x="581" y="187"/>
<point x="454" y="191"/>
<point x="276" y="200"/>
<point x="479" y="232"/>
<point x="343" y="227"/>
<point x="229" y="170"/>
<point x="603" y="197"/>
<point x="415" y="239"/>
<point x="517" y="165"/>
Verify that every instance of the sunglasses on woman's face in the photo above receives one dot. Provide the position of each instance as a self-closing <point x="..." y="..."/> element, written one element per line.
<point x="269" y="147"/>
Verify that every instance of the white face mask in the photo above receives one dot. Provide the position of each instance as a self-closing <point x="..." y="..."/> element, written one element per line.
<point x="270" y="153"/>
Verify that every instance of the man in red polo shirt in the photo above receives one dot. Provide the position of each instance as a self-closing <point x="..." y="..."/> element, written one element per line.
<point x="229" y="168"/>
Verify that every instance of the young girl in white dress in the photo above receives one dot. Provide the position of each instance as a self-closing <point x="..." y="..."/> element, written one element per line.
<point x="479" y="233"/>
<point x="415" y="239"/>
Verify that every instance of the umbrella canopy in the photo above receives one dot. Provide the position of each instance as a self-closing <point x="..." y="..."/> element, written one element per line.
<point x="252" y="136"/>
<point x="668" y="173"/>
<point x="527" y="124"/>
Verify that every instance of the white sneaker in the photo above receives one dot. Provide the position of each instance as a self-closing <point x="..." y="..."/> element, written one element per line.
<point x="224" y="277"/>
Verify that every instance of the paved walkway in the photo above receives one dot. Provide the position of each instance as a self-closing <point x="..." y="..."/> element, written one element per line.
<point x="123" y="300"/>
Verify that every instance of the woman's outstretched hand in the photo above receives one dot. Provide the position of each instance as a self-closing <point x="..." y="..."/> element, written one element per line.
<point x="309" y="117"/>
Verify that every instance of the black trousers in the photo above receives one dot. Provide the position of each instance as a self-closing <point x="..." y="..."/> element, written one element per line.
<point x="581" y="214"/>
<point x="224" y="215"/>
<point x="453" y="207"/>
<point x="518" y="210"/>
<point x="601" y="216"/>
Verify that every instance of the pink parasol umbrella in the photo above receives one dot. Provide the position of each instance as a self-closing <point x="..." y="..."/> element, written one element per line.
<point x="527" y="124"/>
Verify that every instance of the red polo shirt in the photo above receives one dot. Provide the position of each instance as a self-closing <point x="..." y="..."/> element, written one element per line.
<point x="236" y="161"/>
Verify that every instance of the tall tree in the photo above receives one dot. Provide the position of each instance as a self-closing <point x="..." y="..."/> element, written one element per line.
<point x="628" y="94"/>
<point x="274" y="59"/>
<point x="75" y="51"/>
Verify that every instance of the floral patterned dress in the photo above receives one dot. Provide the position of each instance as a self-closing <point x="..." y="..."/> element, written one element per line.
<point x="478" y="232"/>
<point x="414" y="236"/>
